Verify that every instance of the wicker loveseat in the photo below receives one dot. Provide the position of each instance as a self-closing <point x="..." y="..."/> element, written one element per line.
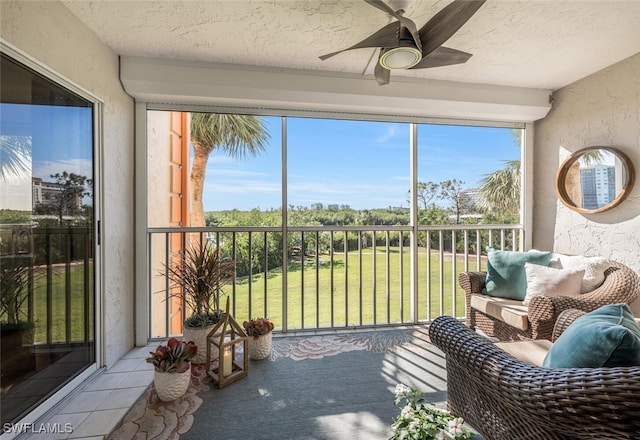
<point x="507" y="399"/>
<point x="536" y="320"/>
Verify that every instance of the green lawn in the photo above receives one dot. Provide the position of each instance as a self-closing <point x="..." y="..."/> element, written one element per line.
<point x="60" y="322"/>
<point x="366" y="297"/>
<point x="321" y="295"/>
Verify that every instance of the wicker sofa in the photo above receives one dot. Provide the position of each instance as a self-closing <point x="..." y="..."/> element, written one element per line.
<point x="508" y="399"/>
<point x="509" y="320"/>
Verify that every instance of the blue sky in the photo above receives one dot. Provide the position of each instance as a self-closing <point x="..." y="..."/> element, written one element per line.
<point x="360" y="164"/>
<point x="355" y="163"/>
<point x="61" y="141"/>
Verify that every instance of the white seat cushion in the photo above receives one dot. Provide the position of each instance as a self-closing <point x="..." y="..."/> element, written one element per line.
<point x="509" y="311"/>
<point x="532" y="351"/>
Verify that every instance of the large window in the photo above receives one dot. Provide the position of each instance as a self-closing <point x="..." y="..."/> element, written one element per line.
<point x="329" y="222"/>
<point x="46" y="238"/>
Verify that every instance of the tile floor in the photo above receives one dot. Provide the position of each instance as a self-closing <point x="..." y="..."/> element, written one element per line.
<point x="97" y="409"/>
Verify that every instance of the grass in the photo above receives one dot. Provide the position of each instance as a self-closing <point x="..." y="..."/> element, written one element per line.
<point x="345" y="293"/>
<point x="66" y="316"/>
<point x="350" y="292"/>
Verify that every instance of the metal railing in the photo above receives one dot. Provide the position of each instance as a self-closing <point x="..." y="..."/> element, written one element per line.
<point x="57" y="296"/>
<point x="308" y="278"/>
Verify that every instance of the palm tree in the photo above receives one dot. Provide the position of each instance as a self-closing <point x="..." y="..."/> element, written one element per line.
<point x="500" y="190"/>
<point x="236" y="135"/>
<point x="15" y="155"/>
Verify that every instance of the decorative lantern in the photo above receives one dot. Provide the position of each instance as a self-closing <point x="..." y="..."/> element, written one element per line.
<point x="225" y="340"/>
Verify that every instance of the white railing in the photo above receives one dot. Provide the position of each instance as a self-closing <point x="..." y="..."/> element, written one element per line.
<point x="336" y="277"/>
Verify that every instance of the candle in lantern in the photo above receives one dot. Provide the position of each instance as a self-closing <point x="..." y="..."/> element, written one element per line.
<point x="227" y="365"/>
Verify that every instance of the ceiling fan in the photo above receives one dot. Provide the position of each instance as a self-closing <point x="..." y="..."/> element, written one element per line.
<point x="403" y="46"/>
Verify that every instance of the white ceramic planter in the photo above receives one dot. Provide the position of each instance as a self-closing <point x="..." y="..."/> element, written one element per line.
<point x="260" y="348"/>
<point x="171" y="386"/>
<point x="199" y="336"/>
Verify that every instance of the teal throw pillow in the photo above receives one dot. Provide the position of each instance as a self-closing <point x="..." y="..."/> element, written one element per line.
<point x="506" y="277"/>
<point x="606" y="337"/>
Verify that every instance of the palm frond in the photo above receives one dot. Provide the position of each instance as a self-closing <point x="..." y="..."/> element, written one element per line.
<point x="15" y="155"/>
<point x="500" y="190"/>
<point x="236" y="135"/>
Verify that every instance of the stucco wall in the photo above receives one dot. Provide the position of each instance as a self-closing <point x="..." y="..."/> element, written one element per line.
<point x="600" y="110"/>
<point x="51" y="34"/>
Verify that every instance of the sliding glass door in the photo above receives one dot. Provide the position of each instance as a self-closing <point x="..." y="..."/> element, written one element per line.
<point x="47" y="243"/>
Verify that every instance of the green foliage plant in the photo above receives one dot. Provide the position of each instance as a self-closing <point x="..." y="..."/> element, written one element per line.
<point x="200" y="273"/>
<point x="174" y="357"/>
<point x="420" y="420"/>
<point x="16" y="277"/>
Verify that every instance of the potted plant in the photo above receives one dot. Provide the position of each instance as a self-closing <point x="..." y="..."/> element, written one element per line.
<point x="17" y="280"/>
<point x="200" y="273"/>
<point x="260" y="332"/>
<point x="172" y="368"/>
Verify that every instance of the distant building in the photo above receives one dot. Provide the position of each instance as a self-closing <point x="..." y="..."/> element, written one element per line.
<point x="46" y="193"/>
<point x="598" y="186"/>
<point x="471" y="195"/>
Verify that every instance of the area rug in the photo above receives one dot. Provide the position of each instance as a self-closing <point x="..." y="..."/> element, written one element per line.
<point x="337" y="386"/>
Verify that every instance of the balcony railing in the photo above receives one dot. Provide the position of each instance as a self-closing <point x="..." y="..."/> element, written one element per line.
<point x="331" y="277"/>
<point x="59" y="293"/>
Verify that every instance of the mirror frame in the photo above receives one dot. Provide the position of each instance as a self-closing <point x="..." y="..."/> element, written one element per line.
<point x="561" y="177"/>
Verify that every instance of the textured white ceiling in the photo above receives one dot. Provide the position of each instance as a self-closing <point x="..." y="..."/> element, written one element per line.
<point x="543" y="44"/>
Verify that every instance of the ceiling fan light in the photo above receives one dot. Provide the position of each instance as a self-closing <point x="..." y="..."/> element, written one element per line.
<point x="400" y="58"/>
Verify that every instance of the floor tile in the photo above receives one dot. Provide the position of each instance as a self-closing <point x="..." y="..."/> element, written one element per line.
<point x="85" y="401"/>
<point x="136" y="379"/>
<point x="126" y="365"/>
<point x="66" y="422"/>
<point x="99" y="423"/>
<point x="140" y="352"/>
<point x="107" y="381"/>
<point x="122" y="398"/>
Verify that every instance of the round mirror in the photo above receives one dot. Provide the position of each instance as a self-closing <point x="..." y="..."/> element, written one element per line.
<point x="595" y="179"/>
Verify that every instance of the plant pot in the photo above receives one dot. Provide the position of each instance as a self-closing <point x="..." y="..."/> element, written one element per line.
<point x="17" y="354"/>
<point x="260" y="347"/>
<point x="199" y="336"/>
<point x="171" y="386"/>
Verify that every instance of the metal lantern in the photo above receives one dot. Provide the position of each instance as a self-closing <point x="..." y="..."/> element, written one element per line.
<point x="226" y="340"/>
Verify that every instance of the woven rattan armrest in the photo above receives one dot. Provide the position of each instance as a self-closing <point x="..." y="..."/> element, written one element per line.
<point x="565" y="319"/>
<point x="504" y="398"/>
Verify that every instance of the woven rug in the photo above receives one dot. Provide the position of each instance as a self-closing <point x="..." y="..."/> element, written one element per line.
<point x="327" y="387"/>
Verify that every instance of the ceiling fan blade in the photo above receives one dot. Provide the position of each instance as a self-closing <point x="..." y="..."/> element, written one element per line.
<point x="406" y="22"/>
<point x="447" y="22"/>
<point x="443" y="56"/>
<point x="382" y="75"/>
<point x="385" y="37"/>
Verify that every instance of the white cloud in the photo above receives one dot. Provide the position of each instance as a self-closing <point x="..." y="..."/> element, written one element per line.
<point x="391" y="131"/>
<point x="44" y="170"/>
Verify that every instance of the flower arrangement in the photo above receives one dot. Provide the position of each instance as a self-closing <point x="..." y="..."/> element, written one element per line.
<point x="257" y="327"/>
<point x="420" y="420"/>
<point x="174" y="357"/>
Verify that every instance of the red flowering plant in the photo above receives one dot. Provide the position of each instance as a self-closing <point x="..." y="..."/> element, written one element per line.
<point x="257" y="327"/>
<point x="174" y="357"/>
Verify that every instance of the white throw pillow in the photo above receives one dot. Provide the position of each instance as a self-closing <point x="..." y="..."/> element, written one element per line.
<point x="593" y="267"/>
<point x="542" y="280"/>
